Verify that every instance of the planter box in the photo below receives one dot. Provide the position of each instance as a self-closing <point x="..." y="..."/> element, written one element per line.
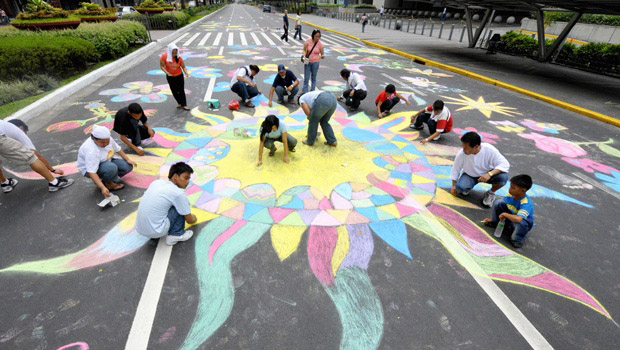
<point x="168" y="8"/>
<point x="70" y="24"/>
<point x="150" y="11"/>
<point x="99" y="19"/>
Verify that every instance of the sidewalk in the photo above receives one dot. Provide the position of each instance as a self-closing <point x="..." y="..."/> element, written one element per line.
<point x="596" y="92"/>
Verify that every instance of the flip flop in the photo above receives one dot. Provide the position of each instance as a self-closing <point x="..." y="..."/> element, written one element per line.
<point x="186" y="108"/>
<point x="120" y="187"/>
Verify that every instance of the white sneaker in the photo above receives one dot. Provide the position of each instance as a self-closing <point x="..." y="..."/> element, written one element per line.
<point x="489" y="198"/>
<point x="464" y="193"/>
<point x="6" y="188"/>
<point x="172" y="240"/>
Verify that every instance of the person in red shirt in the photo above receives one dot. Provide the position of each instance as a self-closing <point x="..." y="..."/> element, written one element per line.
<point x="387" y="99"/>
<point x="172" y="64"/>
<point x="437" y="117"/>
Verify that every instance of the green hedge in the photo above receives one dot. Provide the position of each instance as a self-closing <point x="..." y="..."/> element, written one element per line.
<point x="58" y="56"/>
<point x="193" y="11"/>
<point x="166" y="20"/>
<point x="587" y="18"/>
<point x="110" y="39"/>
<point x="600" y="57"/>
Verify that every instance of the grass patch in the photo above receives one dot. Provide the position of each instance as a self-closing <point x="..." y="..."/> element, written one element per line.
<point x="10" y="108"/>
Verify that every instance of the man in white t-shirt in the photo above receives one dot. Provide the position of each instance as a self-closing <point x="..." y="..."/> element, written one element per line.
<point x="164" y="208"/>
<point x="243" y="84"/>
<point x="96" y="160"/>
<point x="478" y="162"/>
<point x="16" y="146"/>
<point x="355" y="90"/>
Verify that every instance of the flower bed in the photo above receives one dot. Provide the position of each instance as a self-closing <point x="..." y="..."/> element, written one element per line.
<point x="95" y="13"/>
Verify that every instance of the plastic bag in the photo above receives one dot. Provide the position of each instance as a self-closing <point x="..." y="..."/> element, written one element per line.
<point x="233" y="105"/>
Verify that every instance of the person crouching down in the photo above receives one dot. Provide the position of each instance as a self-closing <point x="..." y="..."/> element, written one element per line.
<point x="164" y="208"/>
<point x="272" y="130"/>
<point x="96" y="160"/>
<point x="516" y="209"/>
<point x="437" y="117"/>
<point x="243" y="84"/>
<point x="387" y="99"/>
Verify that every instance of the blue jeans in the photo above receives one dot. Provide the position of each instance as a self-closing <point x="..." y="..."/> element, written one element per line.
<point x="281" y="92"/>
<point x="244" y="91"/>
<point x="426" y="118"/>
<point x="519" y="230"/>
<point x="111" y="170"/>
<point x="310" y="71"/>
<point x="290" y="140"/>
<point x="177" y="222"/>
<point x="363" y="26"/>
<point x="320" y="113"/>
<point x="297" y="32"/>
<point x="465" y="183"/>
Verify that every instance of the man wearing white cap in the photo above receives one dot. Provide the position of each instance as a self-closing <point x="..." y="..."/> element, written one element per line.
<point x="96" y="160"/>
<point x="16" y="146"/>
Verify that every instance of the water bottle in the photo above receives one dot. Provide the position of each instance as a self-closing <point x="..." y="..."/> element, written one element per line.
<point x="499" y="229"/>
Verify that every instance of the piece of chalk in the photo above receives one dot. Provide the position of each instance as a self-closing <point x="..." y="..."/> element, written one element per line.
<point x="345" y="164"/>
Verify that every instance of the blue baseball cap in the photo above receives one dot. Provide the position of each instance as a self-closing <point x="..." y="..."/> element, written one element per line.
<point x="281" y="68"/>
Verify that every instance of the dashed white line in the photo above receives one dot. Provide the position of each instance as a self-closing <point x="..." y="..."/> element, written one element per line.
<point x="218" y="37"/>
<point x="268" y="39"/>
<point x="190" y="40"/>
<point x="255" y="39"/>
<point x="204" y="39"/>
<point x="230" y="38"/>
<point x="221" y="51"/>
<point x="209" y="89"/>
<point x="180" y="38"/>
<point x="244" y="42"/>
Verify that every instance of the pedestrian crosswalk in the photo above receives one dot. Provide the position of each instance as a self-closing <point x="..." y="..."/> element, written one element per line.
<point x="258" y="37"/>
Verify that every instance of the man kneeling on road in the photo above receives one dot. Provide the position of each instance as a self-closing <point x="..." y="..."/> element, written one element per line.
<point x="478" y="162"/>
<point x="355" y="90"/>
<point x="127" y="124"/>
<point x="164" y="208"/>
<point x="16" y="146"/>
<point x="243" y="84"/>
<point x="285" y="83"/>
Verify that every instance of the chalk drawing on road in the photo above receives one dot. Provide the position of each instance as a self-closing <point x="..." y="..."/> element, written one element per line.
<point x="566" y="180"/>
<point x="392" y="185"/>
<point x="484" y="107"/>
<point x="550" y="128"/>
<point x="486" y="137"/>
<point x="196" y="72"/>
<point x="140" y="90"/>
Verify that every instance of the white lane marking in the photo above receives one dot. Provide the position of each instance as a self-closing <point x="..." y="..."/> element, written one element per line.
<point x="204" y="40"/>
<point x="243" y="40"/>
<point x="347" y="40"/>
<point x="306" y="36"/>
<point x="268" y="39"/>
<point x="281" y="51"/>
<point x="295" y="41"/>
<point x="400" y="83"/>
<point x="190" y="40"/>
<point x="180" y="38"/>
<point x="231" y="36"/>
<point x="147" y="306"/>
<point x="512" y="312"/>
<point x="218" y="37"/>
<point x="219" y="53"/>
<point x="209" y="89"/>
<point x="255" y="39"/>
<point x="596" y="184"/>
<point x="278" y="38"/>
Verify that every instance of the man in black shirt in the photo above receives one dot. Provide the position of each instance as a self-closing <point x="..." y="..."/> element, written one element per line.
<point x="127" y="124"/>
<point x="285" y="83"/>
<point x="285" y="26"/>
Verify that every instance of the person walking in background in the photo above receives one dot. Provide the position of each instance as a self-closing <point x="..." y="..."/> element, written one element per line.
<point x="243" y="84"/>
<point x="364" y="21"/>
<point x="381" y="11"/>
<point x="313" y="53"/>
<point x="319" y="107"/>
<point x="131" y="123"/>
<point x="297" y="26"/>
<point x="285" y="27"/>
<point x="174" y="67"/>
<point x="355" y="89"/>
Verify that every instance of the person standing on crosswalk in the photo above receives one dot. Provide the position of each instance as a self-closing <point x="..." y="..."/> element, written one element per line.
<point x="297" y="26"/>
<point x="243" y="84"/>
<point x="311" y="56"/>
<point x="172" y="64"/>
<point x="285" y="27"/>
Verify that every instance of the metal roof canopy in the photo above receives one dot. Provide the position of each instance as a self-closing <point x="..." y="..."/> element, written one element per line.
<point x="609" y="7"/>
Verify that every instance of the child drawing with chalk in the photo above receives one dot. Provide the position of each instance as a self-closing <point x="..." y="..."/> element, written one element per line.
<point x="516" y="210"/>
<point x="272" y="130"/>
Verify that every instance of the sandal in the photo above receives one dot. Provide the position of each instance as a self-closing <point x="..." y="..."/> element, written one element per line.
<point x="117" y="187"/>
<point x="186" y="108"/>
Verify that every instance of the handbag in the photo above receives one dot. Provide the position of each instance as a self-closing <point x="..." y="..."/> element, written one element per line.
<point x="305" y="60"/>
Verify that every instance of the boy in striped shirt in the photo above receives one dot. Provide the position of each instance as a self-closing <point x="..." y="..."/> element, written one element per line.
<point x="516" y="209"/>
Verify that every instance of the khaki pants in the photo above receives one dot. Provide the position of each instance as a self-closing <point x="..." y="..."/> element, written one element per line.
<point x="16" y="152"/>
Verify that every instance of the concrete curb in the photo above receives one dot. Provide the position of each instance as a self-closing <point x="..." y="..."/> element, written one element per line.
<point x="565" y="105"/>
<point x="121" y="65"/>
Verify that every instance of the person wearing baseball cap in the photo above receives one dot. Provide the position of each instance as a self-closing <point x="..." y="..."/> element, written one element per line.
<point x="131" y="123"/>
<point x="97" y="160"/>
<point x="285" y="83"/>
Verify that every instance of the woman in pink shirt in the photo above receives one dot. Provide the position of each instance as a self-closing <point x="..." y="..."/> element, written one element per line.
<point x="312" y="55"/>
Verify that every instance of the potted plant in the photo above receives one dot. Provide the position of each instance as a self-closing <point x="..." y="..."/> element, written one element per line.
<point x="40" y="15"/>
<point x="149" y="6"/>
<point x="95" y="13"/>
<point x="166" y="6"/>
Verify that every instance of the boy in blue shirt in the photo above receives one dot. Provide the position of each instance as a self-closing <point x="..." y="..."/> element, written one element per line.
<point x="516" y="209"/>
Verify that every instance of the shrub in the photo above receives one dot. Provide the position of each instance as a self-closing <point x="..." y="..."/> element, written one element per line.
<point x="16" y="90"/>
<point x="519" y="44"/>
<point x="39" y="9"/>
<point x="166" y="20"/>
<point x="89" y="9"/>
<point x="148" y="4"/>
<point x="44" y="54"/>
<point x="587" y="18"/>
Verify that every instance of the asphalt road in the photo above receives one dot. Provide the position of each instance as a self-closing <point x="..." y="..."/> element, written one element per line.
<point x="259" y="285"/>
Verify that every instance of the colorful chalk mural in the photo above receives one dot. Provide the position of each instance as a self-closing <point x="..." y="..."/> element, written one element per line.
<point x="140" y="90"/>
<point x="392" y="190"/>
